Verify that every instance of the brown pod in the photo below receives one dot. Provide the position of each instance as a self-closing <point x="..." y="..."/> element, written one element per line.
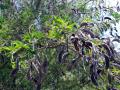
<point x="107" y="18"/>
<point x="60" y="56"/>
<point x="107" y="61"/>
<point x="93" y="79"/>
<point x="74" y="40"/>
<point x="83" y="24"/>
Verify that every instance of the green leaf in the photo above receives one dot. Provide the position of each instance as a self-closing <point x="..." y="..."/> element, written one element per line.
<point x="33" y="35"/>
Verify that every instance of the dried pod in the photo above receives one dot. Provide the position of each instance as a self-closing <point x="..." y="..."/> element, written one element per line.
<point x="111" y="33"/>
<point x="112" y="50"/>
<point x="107" y="18"/>
<point x="14" y="72"/>
<point x="82" y="50"/>
<point x="60" y="56"/>
<point x="45" y="66"/>
<point x="117" y="35"/>
<point x="107" y="49"/>
<point x="116" y="39"/>
<point x="115" y="29"/>
<point x="87" y="31"/>
<point x="76" y="46"/>
<point x="88" y="44"/>
<point x="83" y="24"/>
<point x="74" y="40"/>
<point x="99" y="71"/>
<point x="45" y="63"/>
<point x="118" y="8"/>
<point x="107" y="61"/>
<point x="35" y="80"/>
<point x="91" y="69"/>
<point x="91" y="24"/>
<point x="74" y="11"/>
<point x="93" y="79"/>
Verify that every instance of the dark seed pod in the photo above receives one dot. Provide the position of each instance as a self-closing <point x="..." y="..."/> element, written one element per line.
<point x="118" y="8"/>
<point x="74" y="40"/>
<point x="87" y="31"/>
<point x="107" y="18"/>
<point x="117" y="35"/>
<point x="88" y="44"/>
<point x="84" y="24"/>
<point x="107" y="49"/>
<point x="107" y="61"/>
<point x="82" y="50"/>
<point x="92" y="69"/>
<point x="91" y="24"/>
<point x="113" y="53"/>
<point x="45" y="65"/>
<point x="111" y="33"/>
<point x="99" y="71"/>
<point x="116" y="39"/>
<point x="93" y="79"/>
<point x="14" y="72"/>
<point x="88" y="58"/>
<point x="76" y="46"/>
<point x="115" y="29"/>
<point x="60" y="56"/>
<point x="74" y="11"/>
<point x="35" y="80"/>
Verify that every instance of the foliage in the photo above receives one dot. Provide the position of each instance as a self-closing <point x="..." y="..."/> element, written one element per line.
<point x="52" y="45"/>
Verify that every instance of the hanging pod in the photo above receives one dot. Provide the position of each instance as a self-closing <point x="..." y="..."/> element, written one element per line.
<point x="107" y="61"/>
<point x="93" y="74"/>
